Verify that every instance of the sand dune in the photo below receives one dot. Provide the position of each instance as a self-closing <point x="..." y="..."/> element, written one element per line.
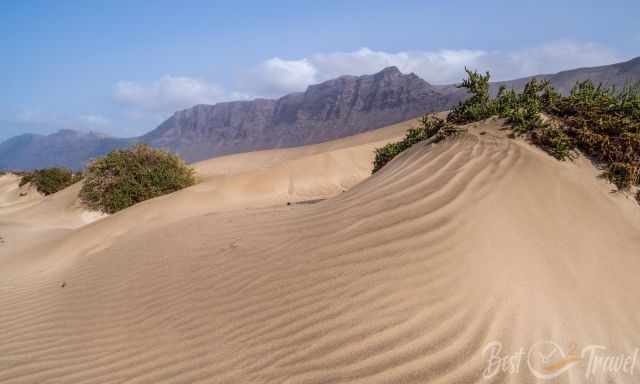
<point x="241" y="181"/>
<point x="403" y="278"/>
<point x="13" y="196"/>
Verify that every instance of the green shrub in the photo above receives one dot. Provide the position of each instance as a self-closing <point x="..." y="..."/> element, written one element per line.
<point x="479" y="105"/>
<point x="554" y="140"/>
<point x="522" y="110"/>
<point x="601" y="122"/>
<point x="50" y="180"/>
<point x="126" y="177"/>
<point x="431" y="127"/>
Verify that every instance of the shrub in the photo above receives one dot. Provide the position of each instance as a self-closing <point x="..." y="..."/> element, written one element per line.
<point x="431" y="127"/>
<point x="554" y="140"/>
<point x="623" y="175"/>
<point x="50" y="180"/>
<point x="522" y="110"/>
<point x="126" y="177"/>
<point x="477" y="107"/>
<point x="602" y="122"/>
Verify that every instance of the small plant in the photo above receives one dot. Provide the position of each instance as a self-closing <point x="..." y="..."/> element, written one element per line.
<point x="623" y="175"/>
<point x="477" y="107"/>
<point x="126" y="177"/>
<point x="554" y="140"/>
<point x="431" y="127"/>
<point x="50" y="180"/>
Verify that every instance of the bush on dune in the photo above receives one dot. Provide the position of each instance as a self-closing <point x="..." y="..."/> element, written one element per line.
<point x="479" y="105"/>
<point x="126" y="177"/>
<point x="431" y="128"/>
<point x="603" y="123"/>
<point x="50" y="180"/>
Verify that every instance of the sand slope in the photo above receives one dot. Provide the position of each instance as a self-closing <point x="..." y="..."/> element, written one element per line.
<point x="241" y="181"/>
<point x="404" y="278"/>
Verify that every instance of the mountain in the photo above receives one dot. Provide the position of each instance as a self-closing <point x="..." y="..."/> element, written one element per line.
<point x="66" y="148"/>
<point x="615" y="75"/>
<point x="333" y="109"/>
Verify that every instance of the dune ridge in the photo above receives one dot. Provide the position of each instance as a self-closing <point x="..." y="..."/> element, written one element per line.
<point x="403" y="278"/>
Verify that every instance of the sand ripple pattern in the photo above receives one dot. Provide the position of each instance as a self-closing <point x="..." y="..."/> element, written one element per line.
<point x="403" y="279"/>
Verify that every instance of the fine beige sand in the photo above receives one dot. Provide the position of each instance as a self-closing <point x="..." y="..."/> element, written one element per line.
<point x="401" y="277"/>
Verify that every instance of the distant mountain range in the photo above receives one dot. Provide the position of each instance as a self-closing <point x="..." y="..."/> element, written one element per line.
<point x="333" y="109"/>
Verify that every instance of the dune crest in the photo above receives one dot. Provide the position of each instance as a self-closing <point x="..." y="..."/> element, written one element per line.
<point x="404" y="278"/>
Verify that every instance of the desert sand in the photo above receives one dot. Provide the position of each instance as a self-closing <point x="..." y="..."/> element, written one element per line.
<point x="400" y="277"/>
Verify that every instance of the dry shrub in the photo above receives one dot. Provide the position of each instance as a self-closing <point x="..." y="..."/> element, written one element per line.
<point x="126" y="177"/>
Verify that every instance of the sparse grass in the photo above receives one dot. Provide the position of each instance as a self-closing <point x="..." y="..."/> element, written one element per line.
<point x="126" y="177"/>
<point x="431" y="128"/>
<point x="50" y="180"/>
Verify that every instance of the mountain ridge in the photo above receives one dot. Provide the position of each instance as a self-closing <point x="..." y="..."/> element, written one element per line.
<point x="335" y="108"/>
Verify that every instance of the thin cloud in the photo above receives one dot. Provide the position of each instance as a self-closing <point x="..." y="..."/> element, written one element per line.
<point x="277" y="76"/>
<point x="168" y="94"/>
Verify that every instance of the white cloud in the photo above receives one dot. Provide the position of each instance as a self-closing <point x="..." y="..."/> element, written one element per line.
<point x="95" y="121"/>
<point x="168" y="94"/>
<point x="277" y="76"/>
<point x="552" y="57"/>
<point x="147" y="104"/>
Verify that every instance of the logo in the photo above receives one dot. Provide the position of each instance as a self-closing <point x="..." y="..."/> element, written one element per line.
<point x="547" y="360"/>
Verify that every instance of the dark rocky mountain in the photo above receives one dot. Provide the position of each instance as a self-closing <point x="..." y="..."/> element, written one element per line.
<point x="333" y="109"/>
<point x="330" y="110"/>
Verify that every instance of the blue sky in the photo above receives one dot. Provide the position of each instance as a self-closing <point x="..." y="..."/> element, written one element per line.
<point x="122" y="67"/>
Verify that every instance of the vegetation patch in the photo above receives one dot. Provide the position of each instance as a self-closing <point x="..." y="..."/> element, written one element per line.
<point x="554" y="140"/>
<point x="126" y="177"/>
<point x="50" y="180"/>
<point x="479" y="106"/>
<point x="603" y="123"/>
<point x="431" y="128"/>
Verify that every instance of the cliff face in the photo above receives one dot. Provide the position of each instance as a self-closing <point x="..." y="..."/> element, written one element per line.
<point x="330" y="110"/>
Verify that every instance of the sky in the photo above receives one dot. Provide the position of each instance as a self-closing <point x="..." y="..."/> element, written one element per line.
<point x="122" y="67"/>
